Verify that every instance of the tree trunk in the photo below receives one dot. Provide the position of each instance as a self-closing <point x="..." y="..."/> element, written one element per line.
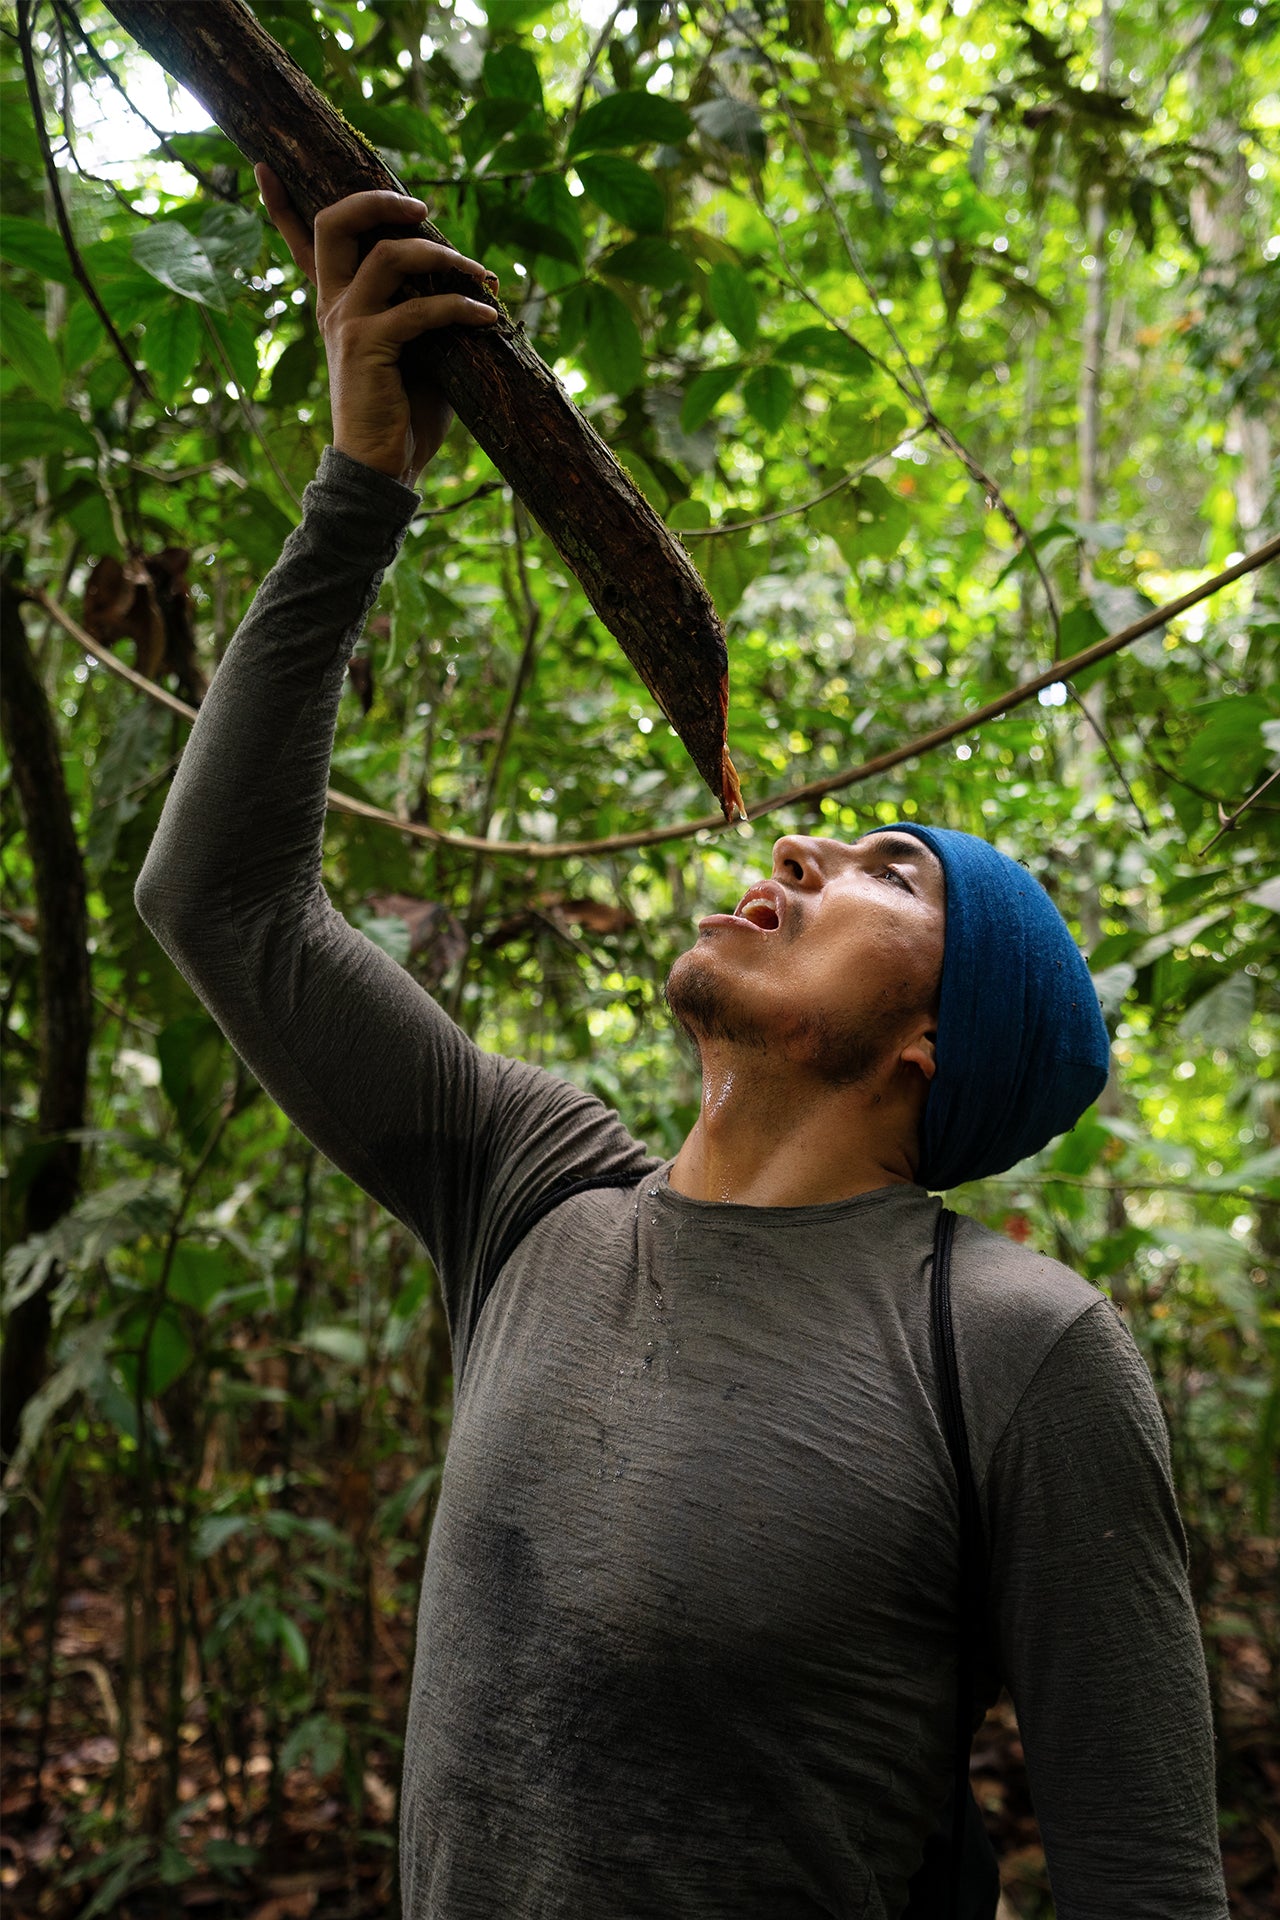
<point x="638" y="578"/>
<point x="66" y="1005"/>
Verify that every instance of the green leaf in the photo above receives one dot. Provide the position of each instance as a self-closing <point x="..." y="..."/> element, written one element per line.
<point x="509" y="16"/>
<point x="768" y="393"/>
<point x="293" y="373"/>
<point x="170" y="349"/>
<point x="28" y="349"/>
<point x="733" y="302"/>
<point x="511" y="73"/>
<point x="320" y="1739"/>
<point x="29" y="428"/>
<point x="858" y="434"/>
<point x="612" y="349"/>
<point x="735" y="124"/>
<point x="688" y="516"/>
<point x="177" y="260"/>
<point x="648" y="262"/>
<point x="156" y="1342"/>
<point x="1079" y="627"/>
<point x="238" y="334"/>
<point x="864" y="519"/>
<point x="1228" y="750"/>
<point x="1220" y="1018"/>
<point x="289" y="1634"/>
<point x="395" y="1510"/>
<point x="29" y="243"/>
<point x="825" y="350"/>
<point x="550" y="204"/>
<point x="193" y="1068"/>
<point x="83" y="336"/>
<point x="704" y="394"/>
<point x="232" y="237"/>
<point x="624" y="191"/>
<point x="338" y="1343"/>
<point x="197" y="1275"/>
<point x="255" y="527"/>
<point x="487" y="123"/>
<point x="629" y="119"/>
<point x="545" y="221"/>
<point x="729" y="565"/>
<point x="215" y="1530"/>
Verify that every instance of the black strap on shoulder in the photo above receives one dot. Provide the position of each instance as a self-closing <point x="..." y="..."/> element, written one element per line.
<point x="972" y="1568"/>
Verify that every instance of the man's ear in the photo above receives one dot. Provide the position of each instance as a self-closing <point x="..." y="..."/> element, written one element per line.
<point x="921" y="1051"/>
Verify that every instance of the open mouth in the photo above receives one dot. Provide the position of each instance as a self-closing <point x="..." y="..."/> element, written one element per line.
<point x="761" y="907"/>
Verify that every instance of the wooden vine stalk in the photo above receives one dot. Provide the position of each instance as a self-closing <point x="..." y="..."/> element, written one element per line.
<point x="639" y="579"/>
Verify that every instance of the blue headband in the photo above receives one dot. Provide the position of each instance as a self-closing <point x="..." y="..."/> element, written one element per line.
<point x="1022" y="1048"/>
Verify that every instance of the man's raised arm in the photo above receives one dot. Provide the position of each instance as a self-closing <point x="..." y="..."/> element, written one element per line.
<point x="349" y="1045"/>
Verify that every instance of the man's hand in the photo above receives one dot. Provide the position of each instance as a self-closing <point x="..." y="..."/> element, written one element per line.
<point x="379" y="417"/>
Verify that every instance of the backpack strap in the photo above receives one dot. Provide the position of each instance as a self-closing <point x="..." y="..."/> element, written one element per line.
<point x="972" y="1560"/>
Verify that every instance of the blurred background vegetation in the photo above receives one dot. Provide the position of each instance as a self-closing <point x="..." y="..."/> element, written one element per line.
<point x="946" y="335"/>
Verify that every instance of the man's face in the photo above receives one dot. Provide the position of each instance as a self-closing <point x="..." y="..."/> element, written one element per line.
<point x="826" y="964"/>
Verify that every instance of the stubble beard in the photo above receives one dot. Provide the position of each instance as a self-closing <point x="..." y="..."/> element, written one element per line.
<point x="842" y="1052"/>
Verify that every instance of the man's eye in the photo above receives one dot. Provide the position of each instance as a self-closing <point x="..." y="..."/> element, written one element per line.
<point x="893" y="874"/>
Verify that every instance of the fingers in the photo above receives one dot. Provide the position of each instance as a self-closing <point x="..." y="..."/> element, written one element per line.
<point x="388" y="264"/>
<point x="339" y="227"/>
<point x="413" y="317"/>
<point x="281" y="212"/>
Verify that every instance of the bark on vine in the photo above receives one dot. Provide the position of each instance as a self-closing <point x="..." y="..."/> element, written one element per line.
<point x="66" y="1004"/>
<point x="638" y="578"/>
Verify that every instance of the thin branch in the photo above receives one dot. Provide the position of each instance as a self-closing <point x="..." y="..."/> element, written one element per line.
<point x="801" y="506"/>
<point x="1229" y="819"/>
<point x="69" y="16"/>
<point x="714" y="822"/>
<point x="1089" y="1185"/>
<point x="481" y="492"/>
<point x="532" y="627"/>
<point x="246" y="409"/>
<point x="1101" y="735"/>
<point x="593" y="61"/>
<point x="78" y="267"/>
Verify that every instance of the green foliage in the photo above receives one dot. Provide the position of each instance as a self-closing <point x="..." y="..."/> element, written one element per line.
<point x="768" y="253"/>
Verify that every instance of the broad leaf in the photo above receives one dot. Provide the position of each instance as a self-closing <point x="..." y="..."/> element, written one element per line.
<point x="178" y="261"/>
<point x="768" y="392"/>
<point x="630" y="119"/>
<point x="733" y="302"/>
<point x="613" y="349"/>
<point x="624" y="191"/>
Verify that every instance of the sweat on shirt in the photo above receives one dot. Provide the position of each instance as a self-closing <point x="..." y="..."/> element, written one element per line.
<point x="687" y="1638"/>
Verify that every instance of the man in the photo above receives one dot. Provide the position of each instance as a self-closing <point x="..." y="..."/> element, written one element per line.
<point x="687" y="1641"/>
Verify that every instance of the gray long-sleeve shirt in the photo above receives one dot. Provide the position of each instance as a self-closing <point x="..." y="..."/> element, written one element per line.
<point x="687" y="1638"/>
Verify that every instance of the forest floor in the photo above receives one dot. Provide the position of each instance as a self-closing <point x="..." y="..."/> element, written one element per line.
<point x="330" y="1854"/>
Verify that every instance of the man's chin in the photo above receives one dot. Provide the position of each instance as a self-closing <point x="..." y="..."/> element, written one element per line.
<point x="702" y="1002"/>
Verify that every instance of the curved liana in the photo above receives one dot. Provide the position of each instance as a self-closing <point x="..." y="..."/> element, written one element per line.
<point x="637" y="576"/>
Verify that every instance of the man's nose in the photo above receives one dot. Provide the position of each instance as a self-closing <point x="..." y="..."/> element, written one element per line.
<point x="797" y="860"/>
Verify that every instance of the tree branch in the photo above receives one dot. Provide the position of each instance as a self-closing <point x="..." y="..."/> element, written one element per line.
<point x="801" y="506"/>
<point x="711" y="823"/>
<point x="1229" y="819"/>
<point x="78" y="267"/>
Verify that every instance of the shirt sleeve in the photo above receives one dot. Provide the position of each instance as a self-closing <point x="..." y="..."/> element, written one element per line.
<point x="1098" y="1636"/>
<point x="456" y="1142"/>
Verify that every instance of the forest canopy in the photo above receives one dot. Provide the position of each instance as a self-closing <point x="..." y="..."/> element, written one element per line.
<point x="945" y="337"/>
